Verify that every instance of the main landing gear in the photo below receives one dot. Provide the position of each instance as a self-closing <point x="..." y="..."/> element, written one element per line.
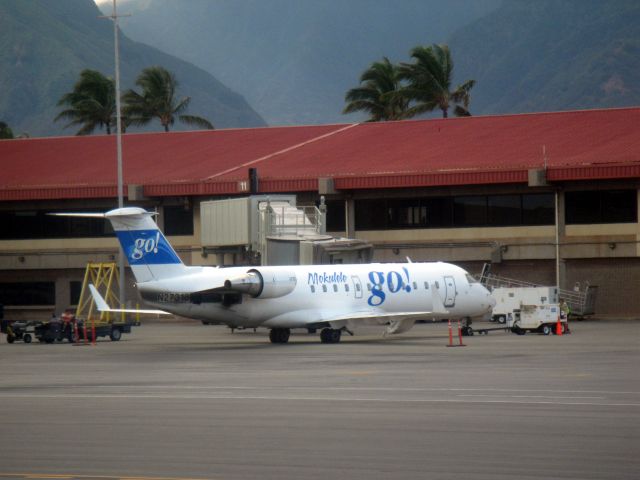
<point x="279" y="335"/>
<point x="330" y="335"/>
<point x="327" y="335"/>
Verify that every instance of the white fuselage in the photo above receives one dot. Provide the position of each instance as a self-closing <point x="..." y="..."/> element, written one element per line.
<point x="295" y="296"/>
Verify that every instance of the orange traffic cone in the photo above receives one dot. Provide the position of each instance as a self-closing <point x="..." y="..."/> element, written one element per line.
<point x="559" y="327"/>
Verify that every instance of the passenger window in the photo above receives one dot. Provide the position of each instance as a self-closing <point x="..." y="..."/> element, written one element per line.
<point x="346" y="287"/>
<point x="313" y="289"/>
<point x="369" y="286"/>
<point x="415" y="285"/>
<point x="335" y="287"/>
<point x="426" y="285"/>
<point x="358" y="287"/>
<point x="324" y="288"/>
<point x="437" y="284"/>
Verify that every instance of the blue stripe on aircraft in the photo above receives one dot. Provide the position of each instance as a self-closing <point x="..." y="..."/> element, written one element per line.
<point x="147" y="247"/>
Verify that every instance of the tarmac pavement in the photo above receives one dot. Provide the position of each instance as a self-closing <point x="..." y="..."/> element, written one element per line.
<point x="182" y="400"/>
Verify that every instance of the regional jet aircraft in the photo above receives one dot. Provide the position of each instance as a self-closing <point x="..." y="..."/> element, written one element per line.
<point x="334" y="298"/>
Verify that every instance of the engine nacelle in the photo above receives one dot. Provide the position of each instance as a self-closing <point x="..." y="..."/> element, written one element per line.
<point x="263" y="283"/>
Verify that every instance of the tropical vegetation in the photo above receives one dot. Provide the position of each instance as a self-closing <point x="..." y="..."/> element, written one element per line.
<point x="158" y="99"/>
<point x="91" y="104"/>
<point x="429" y="80"/>
<point x="392" y="92"/>
<point x="378" y="93"/>
<point x="5" y="131"/>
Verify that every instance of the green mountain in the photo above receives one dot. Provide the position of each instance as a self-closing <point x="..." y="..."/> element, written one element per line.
<point x="548" y="55"/>
<point x="45" y="44"/>
<point x="294" y="60"/>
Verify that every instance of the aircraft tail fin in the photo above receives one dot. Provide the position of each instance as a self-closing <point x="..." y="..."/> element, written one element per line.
<point x="150" y="255"/>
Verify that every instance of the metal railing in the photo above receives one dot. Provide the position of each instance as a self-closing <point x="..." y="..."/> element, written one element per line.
<point x="582" y="301"/>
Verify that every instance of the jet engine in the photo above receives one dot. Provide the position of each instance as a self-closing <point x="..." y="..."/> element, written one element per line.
<point x="263" y="283"/>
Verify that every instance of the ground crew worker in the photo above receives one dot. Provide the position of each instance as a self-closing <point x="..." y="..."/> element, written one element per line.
<point x="565" y="311"/>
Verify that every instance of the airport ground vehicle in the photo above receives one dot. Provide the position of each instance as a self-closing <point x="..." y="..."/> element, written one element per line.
<point x="537" y="318"/>
<point x="68" y="329"/>
<point x="510" y="299"/>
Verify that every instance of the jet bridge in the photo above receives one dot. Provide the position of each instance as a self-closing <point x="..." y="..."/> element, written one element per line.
<point x="274" y="230"/>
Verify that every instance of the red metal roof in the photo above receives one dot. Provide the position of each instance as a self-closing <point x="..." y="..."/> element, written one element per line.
<point x="579" y="145"/>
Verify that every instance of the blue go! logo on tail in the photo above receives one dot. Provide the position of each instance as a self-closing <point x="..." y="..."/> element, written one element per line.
<point x="147" y="247"/>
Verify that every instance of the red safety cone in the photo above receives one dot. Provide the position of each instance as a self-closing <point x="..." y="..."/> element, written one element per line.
<point x="559" y="327"/>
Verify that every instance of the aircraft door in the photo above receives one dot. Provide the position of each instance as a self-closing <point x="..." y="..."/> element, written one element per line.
<point x="357" y="286"/>
<point x="449" y="291"/>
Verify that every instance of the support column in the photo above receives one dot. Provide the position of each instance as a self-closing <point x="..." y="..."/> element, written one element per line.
<point x="638" y="225"/>
<point x="561" y="236"/>
<point x="349" y="218"/>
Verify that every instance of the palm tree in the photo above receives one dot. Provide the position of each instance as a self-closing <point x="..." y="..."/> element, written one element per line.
<point x="378" y="93"/>
<point x="92" y="103"/>
<point x="158" y="100"/>
<point x="5" y="131"/>
<point x="429" y="82"/>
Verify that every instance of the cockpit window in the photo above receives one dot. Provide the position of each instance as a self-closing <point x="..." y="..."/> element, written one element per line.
<point x="471" y="279"/>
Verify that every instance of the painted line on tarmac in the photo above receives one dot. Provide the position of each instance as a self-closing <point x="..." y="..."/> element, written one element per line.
<point x="71" y="476"/>
<point x="531" y="396"/>
<point x="342" y="389"/>
<point x="523" y="401"/>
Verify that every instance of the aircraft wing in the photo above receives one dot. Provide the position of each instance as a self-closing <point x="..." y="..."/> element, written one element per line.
<point x="378" y="315"/>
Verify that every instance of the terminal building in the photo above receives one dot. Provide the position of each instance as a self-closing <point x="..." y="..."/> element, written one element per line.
<point x="527" y="193"/>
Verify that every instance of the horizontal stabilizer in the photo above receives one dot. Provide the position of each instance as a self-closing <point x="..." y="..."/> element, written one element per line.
<point x="103" y="306"/>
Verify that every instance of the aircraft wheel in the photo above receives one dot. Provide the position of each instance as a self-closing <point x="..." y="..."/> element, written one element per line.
<point x="115" y="335"/>
<point x="330" y="335"/>
<point x="279" y="335"/>
<point x="335" y="336"/>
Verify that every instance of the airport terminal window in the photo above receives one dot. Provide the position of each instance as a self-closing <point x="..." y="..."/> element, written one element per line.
<point x="601" y="206"/>
<point x="463" y="211"/>
<point x="504" y="210"/>
<point x="538" y="209"/>
<point x="178" y="220"/>
<point x="371" y="214"/>
<point x="335" y="216"/>
<point x="28" y="293"/>
<point x="37" y="224"/>
<point x="407" y="213"/>
<point x="439" y="212"/>
<point x="75" y="288"/>
<point x="470" y="211"/>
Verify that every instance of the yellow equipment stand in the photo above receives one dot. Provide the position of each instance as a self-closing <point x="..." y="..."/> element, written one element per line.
<point x="103" y="276"/>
